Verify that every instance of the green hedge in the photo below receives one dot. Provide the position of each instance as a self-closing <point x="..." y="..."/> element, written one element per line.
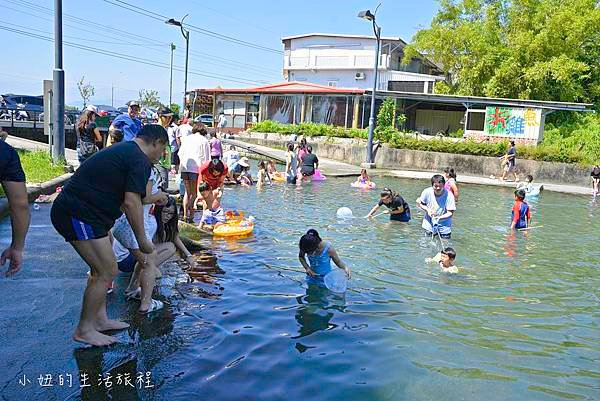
<point x="576" y="142"/>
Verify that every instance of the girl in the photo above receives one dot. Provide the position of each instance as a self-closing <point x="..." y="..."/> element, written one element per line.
<point x="398" y="208"/>
<point x="450" y="184"/>
<point x="319" y="255"/>
<point x="245" y="176"/>
<point x="216" y="150"/>
<point x="595" y="174"/>
<point x="87" y="134"/>
<point x="302" y="150"/>
<point x="364" y="177"/>
<point x="263" y="176"/>
<point x="291" y="164"/>
<point x="213" y="173"/>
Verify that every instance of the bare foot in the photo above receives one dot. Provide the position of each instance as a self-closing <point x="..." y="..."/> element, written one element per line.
<point x="93" y="337"/>
<point x="109" y="324"/>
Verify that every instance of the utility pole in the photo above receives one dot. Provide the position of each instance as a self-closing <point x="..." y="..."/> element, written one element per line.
<point x="58" y="88"/>
<point x="186" y="36"/>
<point x="112" y="94"/>
<point x="171" y="79"/>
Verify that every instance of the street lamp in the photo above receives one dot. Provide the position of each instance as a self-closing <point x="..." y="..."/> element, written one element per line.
<point x="186" y="35"/>
<point x="377" y="30"/>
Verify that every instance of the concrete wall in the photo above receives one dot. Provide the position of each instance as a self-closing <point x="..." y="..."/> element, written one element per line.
<point x="353" y="151"/>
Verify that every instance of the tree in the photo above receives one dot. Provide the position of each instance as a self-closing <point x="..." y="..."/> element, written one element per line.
<point x="149" y="98"/>
<point x="174" y="108"/>
<point x="528" y="49"/>
<point x="85" y="90"/>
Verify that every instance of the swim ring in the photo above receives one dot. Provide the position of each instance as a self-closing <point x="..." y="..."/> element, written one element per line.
<point x="234" y="229"/>
<point x="278" y="177"/>
<point x="365" y="185"/>
<point x="318" y="176"/>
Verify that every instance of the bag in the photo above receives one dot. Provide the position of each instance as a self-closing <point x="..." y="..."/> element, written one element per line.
<point x="86" y="149"/>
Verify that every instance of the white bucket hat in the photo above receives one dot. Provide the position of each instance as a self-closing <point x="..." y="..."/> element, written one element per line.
<point x="92" y="108"/>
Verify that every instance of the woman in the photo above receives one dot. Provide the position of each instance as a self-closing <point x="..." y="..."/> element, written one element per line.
<point x="595" y="175"/>
<point x="216" y="149"/>
<point x="398" y="208"/>
<point x="309" y="164"/>
<point x="213" y="172"/>
<point x="193" y="152"/>
<point x="450" y="184"/>
<point x="291" y="164"/>
<point x="87" y="134"/>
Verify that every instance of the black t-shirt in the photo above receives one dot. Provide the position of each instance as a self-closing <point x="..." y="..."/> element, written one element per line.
<point x="309" y="160"/>
<point x="87" y="135"/>
<point x="397" y="203"/>
<point x="97" y="189"/>
<point x="595" y="172"/>
<point x="10" y="164"/>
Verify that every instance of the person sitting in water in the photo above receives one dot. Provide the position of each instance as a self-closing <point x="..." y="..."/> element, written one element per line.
<point x="527" y="185"/>
<point x="439" y="206"/>
<point x="445" y="259"/>
<point x="364" y="177"/>
<point x="595" y="174"/>
<point x="520" y="215"/>
<point x="320" y="254"/>
<point x="398" y="208"/>
<point x="212" y="215"/>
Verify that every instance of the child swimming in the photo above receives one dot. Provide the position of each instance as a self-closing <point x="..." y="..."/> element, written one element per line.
<point x="212" y="215"/>
<point x="520" y="215"/>
<point x="445" y="259"/>
<point x="320" y="254"/>
<point x="527" y="185"/>
<point x="364" y="177"/>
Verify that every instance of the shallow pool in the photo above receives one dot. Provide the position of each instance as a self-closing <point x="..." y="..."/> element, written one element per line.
<point x="520" y="321"/>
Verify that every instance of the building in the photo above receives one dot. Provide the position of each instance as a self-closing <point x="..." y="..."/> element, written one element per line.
<point x="347" y="61"/>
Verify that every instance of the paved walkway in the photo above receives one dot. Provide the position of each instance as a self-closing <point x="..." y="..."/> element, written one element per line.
<point x="27" y="144"/>
<point x="334" y="168"/>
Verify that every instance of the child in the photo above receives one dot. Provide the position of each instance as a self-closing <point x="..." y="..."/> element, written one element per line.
<point x="445" y="259"/>
<point x="263" y="176"/>
<point x="271" y="168"/>
<point x="364" y="177"/>
<point x="245" y="177"/>
<point x="527" y="185"/>
<point x="595" y="174"/>
<point x="319" y="255"/>
<point x="520" y="211"/>
<point x="213" y="215"/>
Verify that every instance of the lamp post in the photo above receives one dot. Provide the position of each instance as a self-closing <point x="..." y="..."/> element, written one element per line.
<point x="377" y="30"/>
<point x="186" y="36"/>
<point x="58" y="89"/>
<point x="171" y="77"/>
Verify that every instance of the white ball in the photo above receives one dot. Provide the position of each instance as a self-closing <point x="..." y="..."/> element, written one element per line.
<point x="344" y="213"/>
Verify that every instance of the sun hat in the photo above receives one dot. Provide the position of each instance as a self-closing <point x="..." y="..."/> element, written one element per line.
<point x="244" y="162"/>
<point x="92" y="108"/>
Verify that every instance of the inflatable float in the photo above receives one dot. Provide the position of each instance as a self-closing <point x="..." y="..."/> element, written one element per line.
<point x="278" y="177"/>
<point x="364" y="185"/>
<point x="318" y="176"/>
<point x="235" y="226"/>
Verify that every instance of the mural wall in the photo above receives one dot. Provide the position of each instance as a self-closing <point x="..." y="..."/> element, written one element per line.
<point x="509" y="122"/>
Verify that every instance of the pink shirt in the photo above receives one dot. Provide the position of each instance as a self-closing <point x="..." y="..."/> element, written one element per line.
<point x="215" y="148"/>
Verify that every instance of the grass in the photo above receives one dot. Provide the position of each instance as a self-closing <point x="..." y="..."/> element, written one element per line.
<point x="38" y="166"/>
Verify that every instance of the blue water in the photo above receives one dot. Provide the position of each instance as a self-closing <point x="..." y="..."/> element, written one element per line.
<point x="519" y="322"/>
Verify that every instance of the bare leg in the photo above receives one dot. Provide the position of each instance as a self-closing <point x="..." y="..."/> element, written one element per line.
<point x="186" y="198"/>
<point x="97" y="253"/>
<point x="134" y="281"/>
<point x="147" y="276"/>
<point x="193" y="194"/>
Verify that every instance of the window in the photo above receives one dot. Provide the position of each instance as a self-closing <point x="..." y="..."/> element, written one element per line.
<point x="332" y="83"/>
<point x="407" y="86"/>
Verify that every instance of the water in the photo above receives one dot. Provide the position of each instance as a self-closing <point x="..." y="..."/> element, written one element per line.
<point x="519" y="322"/>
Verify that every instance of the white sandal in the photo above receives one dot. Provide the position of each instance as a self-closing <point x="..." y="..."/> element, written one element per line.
<point x="155" y="305"/>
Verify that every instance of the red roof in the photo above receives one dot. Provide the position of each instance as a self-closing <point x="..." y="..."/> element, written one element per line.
<point x="287" y="87"/>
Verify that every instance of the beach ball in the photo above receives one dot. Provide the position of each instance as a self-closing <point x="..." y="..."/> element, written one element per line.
<point x="344" y="213"/>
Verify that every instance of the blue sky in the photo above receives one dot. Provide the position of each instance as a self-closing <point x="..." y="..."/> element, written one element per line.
<point x="213" y="62"/>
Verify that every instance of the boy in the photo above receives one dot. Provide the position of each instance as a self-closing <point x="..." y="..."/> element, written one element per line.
<point x="527" y="185"/>
<point x="445" y="258"/>
<point x="520" y="215"/>
<point x="211" y="216"/>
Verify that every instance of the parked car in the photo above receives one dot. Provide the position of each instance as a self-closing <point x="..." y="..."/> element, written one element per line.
<point x="106" y="110"/>
<point x="206" y="119"/>
<point x="148" y="113"/>
<point x="70" y="117"/>
<point x="123" y="109"/>
<point x="26" y="104"/>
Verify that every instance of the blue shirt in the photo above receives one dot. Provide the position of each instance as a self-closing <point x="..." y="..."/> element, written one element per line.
<point x="129" y="126"/>
<point x="440" y="205"/>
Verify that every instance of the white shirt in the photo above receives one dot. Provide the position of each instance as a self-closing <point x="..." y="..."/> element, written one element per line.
<point x="194" y="151"/>
<point x="172" y="132"/>
<point x="184" y="130"/>
<point x="230" y="157"/>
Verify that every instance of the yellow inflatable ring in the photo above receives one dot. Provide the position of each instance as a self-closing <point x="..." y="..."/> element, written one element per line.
<point x="234" y="229"/>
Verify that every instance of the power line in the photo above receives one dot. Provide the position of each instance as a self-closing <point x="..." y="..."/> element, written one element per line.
<point x="163" y="18"/>
<point x="128" y="58"/>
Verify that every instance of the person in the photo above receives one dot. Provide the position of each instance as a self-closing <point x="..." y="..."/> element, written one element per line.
<point x="245" y="177"/>
<point x="450" y="185"/>
<point x="173" y="132"/>
<point x="271" y="168"/>
<point x="291" y="164"/>
<point x="216" y="149"/>
<point x="445" y="258"/>
<point x="126" y="247"/>
<point x="263" y="175"/>
<point x="319" y="254"/>
<point x="595" y="174"/>
<point x="115" y="136"/>
<point x="363" y="178"/>
<point x="520" y="214"/>
<point x="398" y="208"/>
<point x="213" y="172"/>
<point x="439" y="206"/>
<point x="12" y="178"/>
<point x="3" y="134"/>
<point x="510" y="161"/>
<point x="129" y="123"/>
<point x="86" y="209"/>
<point x="301" y="150"/>
<point x="87" y="133"/>
<point x="165" y="115"/>
<point x="186" y="129"/>
<point x="310" y="162"/>
<point x="527" y="185"/>
<point x="221" y="122"/>
<point x="212" y="214"/>
<point x="231" y="158"/>
<point x="194" y="152"/>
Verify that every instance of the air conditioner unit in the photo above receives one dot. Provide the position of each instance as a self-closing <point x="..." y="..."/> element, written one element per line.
<point x="359" y="76"/>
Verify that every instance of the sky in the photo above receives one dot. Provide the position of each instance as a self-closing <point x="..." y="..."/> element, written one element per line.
<point x="122" y="46"/>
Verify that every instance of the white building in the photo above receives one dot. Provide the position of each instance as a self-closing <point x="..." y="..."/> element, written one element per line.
<point x="347" y="61"/>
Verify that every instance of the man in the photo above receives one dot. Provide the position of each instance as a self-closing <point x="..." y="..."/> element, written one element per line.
<point x="438" y="204"/>
<point x="510" y="160"/>
<point x="86" y="210"/>
<point x="129" y="123"/>
<point x="165" y="116"/>
<point x="221" y="122"/>
<point x="12" y="179"/>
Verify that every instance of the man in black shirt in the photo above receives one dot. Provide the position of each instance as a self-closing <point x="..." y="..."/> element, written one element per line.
<point x="111" y="180"/>
<point x="12" y="179"/>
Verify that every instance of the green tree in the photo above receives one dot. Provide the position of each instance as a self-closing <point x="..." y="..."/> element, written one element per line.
<point x="528" y="49"/>
<point x="85" y="90"/>
<point x="149" y="98"/>
<point x="175" y="108"/>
